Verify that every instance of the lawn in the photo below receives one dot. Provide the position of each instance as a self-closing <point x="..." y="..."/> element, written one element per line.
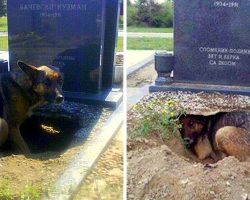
<point x="119" y="45"/>
<point x="3" y="24"/>
<point x="150" y="44"/>
<point x="149" y="29"/>
<point x="4" y="43"/>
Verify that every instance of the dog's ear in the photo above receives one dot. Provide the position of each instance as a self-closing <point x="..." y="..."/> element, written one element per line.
<point x="29" y="70"/>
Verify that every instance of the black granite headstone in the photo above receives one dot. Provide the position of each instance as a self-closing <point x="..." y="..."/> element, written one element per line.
<point x="211" y="47"/>
<point x="68" y="34"/>
<point x="111" y="30"/>
<point x="211" y="42"/>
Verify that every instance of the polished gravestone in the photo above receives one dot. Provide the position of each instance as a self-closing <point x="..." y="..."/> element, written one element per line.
<point x="211" y="47"/>
<point x="69" y="35"/>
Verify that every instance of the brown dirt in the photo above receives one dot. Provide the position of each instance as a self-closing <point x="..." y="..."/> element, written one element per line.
<point x="105" y="181"/>
<point x="41" y="170"/>
<point x="166" y="170"/>
<point x="146" y="75"/>
<point x="157" y="172"/>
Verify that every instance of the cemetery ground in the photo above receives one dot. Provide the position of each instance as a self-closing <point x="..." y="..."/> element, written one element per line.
<point x="3" y="24"/>
<point x="149" y="43"/>
<point x="35" y="175"/>
<point x="106" y="179"/>
<point x="159" y="167"/>
<point x="143" y="76"/>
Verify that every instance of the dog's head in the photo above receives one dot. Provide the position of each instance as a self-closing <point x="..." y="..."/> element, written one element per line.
<point x="192" y="128"/>
<point x="46" y="83"/>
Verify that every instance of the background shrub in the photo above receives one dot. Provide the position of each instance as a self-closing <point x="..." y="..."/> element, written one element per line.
<point x="150" y="13"/>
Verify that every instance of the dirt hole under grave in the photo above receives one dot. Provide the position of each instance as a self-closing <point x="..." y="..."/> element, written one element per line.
<point x="212" y="123"/>
<point x="44" y="134"/>
<point x="48" y="134"/>
<point x="56" y="128"/>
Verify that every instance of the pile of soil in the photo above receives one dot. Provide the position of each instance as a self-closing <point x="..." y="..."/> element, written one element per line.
<point x="159" y="173"/>
<point x="166" y="170"/>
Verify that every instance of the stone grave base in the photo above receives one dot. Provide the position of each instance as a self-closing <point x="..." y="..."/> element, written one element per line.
<point x="201" y="87"/>
<point x="111" y="98"/>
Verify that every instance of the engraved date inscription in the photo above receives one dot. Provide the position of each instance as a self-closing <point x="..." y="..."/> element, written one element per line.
<point x="231" y="4"/>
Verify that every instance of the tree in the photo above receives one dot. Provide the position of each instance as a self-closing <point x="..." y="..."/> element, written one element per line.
<point x="151" y="13"/>
<point x="3" y="8"/>
<point x="132" y="19"/>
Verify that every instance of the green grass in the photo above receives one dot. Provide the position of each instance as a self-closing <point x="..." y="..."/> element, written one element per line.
<point x="119" y="45"/>
<point x="3" y="24"/>
<point x="150" y="44"/>
<point x="30" y="193"/>
<point x="4" y="43"/>
<point x="5" y="192"/>
<point x="149" y="29"/>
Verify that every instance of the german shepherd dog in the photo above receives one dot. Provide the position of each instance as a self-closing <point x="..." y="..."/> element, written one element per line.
<point x="20" y="93"/>
<point x="226" y="134"/>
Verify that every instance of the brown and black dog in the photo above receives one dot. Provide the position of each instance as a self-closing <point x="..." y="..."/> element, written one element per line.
<point x="20" y="93"/>
<point x="225" y="134"/>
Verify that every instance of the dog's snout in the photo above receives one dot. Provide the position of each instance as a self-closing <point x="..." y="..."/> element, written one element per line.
<point x="59" y="99"/>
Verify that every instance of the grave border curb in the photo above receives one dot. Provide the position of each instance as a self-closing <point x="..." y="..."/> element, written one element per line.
<point x="79" y="167"/>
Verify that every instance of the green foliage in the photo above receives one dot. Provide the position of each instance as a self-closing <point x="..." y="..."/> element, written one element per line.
<point x="157" y="116"/>
<point x="121" y="22"/>
<point x="132" y="19"/>
<point x="167" y="14"/>
<point x="5" y="193"/>
<point x="150" y="13"/>
<point x="30" y="193"/>
<point x="3" y="8"/>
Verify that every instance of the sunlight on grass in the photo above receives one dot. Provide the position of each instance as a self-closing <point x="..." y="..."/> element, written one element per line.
<point x="3" y="24"/>
<point x="149" y="29"/>
<point x="119" y="44"/>
<point x="150" y="44"/>
<point x="4" y="43"/>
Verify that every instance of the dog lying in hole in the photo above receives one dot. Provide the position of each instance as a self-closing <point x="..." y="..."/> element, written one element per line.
<point x="225" y="134"/>
<point x="20" y="93"/>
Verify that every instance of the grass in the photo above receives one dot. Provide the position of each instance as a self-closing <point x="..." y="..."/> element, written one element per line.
<point x="29" y="192"/>
<point x="119" y="45"/>
<point x="149" y="29"/>
<point x="150" y="44"/>
<point x="4" y="43"/>
<point x="3" y="24"/>
<point x="157" y="116"/>
<point x="5" y="193"/>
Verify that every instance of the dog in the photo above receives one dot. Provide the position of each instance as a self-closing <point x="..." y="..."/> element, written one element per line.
<point x="225" y="134"/>
<point x="20" y="93"/>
